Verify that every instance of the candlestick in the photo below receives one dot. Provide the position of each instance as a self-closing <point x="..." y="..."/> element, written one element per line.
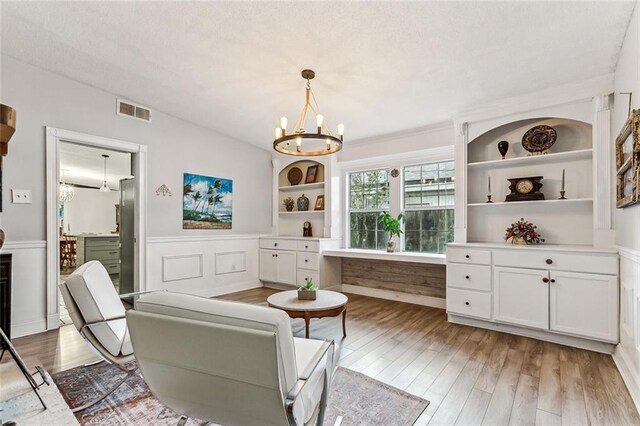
<point x="562" y="191"/>
<point x="489" y="199"/>
<point x="489" y="184"/>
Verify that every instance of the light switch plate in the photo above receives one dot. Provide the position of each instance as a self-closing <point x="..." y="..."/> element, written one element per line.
<point x="21" y="196"/>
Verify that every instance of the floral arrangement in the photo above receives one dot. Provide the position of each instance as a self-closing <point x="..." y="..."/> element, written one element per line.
<point x="523" y="231"/>
<point x="288" y="203"/>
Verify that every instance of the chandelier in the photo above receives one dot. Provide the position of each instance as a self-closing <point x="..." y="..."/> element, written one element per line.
<point x="314" y="143"/>
<point x="67" y="192"/>
<point x="104" y="187"/>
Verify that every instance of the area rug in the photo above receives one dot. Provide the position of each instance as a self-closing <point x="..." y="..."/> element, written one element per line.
<point x="358" y="399"/>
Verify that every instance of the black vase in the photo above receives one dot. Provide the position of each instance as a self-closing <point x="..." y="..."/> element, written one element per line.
<point x="503" y="147"/>
<point x="303" y="203"/>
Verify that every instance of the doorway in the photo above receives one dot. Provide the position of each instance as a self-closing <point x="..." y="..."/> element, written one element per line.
<point x="96" y="213"/>
<point x="95" y="206"/>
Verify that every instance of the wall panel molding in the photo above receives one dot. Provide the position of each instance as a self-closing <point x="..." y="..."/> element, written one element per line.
<point x="182" y="267"/>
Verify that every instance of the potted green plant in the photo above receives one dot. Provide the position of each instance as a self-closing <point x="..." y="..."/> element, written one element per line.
<point x="308" y="291"/>
<point x="393" y="227"/>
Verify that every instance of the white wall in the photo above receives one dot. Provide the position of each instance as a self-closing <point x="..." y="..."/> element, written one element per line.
<point x="91" y="211"/>
<point x="627" y="79"/>
<point x="627" y="221"/>
<point x="42" y="98"/>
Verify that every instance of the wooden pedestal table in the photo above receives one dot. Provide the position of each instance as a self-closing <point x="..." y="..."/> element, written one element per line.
<point x="327" y="304"/>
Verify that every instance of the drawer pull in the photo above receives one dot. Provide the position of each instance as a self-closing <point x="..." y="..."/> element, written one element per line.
<point x="545" y="280"/>
<point x="306" y="247"/>
<point x="468" y="257"/>
<point x="113" y="252"/>
<point x="467" y="303"/>
<point x="306" y="260"/>
<point x="552" y="281"/>
<point x="275" y="244"/>
<point x="467" y="276"/>
<point x="549" y="261"/>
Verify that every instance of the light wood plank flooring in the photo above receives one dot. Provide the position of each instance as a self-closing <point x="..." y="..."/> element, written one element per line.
<point x="471" y="376"/>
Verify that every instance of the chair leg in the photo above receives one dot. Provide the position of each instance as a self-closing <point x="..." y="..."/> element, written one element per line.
<point x="104" y="395"/>
<point x="183" y="420"/>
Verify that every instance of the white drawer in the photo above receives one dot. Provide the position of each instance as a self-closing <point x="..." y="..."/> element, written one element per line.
<point x="302" y="274"/>
<point x="277" y="244"/>
<point x="538" y="258"/>
<point x="474" y="277"/>
<point x="469" y="303"/>
<point x="308" y="260"/>
<point x="468" y="255"/>
<point x="313" y="246"/>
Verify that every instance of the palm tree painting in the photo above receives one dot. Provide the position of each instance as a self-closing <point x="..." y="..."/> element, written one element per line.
<point x="207" y="202"/>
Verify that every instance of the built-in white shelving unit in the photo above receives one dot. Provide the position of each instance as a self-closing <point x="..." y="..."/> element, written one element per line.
<point x="301" y="187"/>
<point x="533" y="159"/>
<point x="310" y="212"/>
<point x="518" y="204"/>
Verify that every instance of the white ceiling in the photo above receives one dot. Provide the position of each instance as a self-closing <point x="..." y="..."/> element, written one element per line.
<point x="381" y="67"/>
<point x="83" y="165"/>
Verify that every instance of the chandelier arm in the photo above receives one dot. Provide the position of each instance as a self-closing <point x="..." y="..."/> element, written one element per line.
<point x="304" y="118"/>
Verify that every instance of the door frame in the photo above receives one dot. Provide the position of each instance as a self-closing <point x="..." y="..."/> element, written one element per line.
<point x="53" y="138"/>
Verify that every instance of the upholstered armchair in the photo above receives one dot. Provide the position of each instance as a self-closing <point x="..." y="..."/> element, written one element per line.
<point x="99" y="315"/>
<point x="229" y="363"/>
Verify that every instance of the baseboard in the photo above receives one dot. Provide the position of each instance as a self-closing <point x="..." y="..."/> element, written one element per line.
<point x="415" y="299"/>
<point x="630" y="379"/>
<point x="232" y="288"/>
<point x="53" y="321"/>
<point x="592" y="345"/>
<point x="28" y="328"/>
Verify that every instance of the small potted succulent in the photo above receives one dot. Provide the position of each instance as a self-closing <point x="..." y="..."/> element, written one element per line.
<point x="393" y="227"/>
<point x="288" y="203"/>
<point x="308" y="291"/>
<point x="523" y="232"/>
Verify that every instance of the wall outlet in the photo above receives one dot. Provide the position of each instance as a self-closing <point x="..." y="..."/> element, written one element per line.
<point x="21" y="196"/>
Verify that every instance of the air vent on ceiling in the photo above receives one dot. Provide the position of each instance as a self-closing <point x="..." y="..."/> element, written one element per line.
<point x="132" y="110"/>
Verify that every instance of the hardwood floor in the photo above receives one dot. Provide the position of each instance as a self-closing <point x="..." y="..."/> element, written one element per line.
<point x="471" y="376"/>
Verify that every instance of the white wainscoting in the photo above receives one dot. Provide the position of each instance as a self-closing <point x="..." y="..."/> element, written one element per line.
<point x="203" y="265"/>
<point x="29" y="300"/>
<point x="627" y="353"/>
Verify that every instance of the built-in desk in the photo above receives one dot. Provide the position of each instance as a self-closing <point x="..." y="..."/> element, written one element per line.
<point x="408" y="277"/>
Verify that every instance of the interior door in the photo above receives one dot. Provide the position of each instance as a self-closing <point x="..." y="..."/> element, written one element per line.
<point x="286" y="265"/>
<point x="127" y="234"/>
<point x="584" y="305"/>
<point x="521" y="296"/>
<point x="268" y="265"/>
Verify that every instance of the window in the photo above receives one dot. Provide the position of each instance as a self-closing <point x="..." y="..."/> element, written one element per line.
<point x="428" y="205"/>
<point x="368" y="196"/>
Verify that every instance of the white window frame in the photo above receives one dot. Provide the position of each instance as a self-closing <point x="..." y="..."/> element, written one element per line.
<point x="348" y="202"/>
<point x="396" y="193"/>
<point x="422" y="208"/>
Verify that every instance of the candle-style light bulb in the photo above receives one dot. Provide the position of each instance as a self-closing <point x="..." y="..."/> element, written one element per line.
<point x="328" y="144"/>
<point x="278" y="132"/>
<point x="319" y="120"/>
<point x="298" y="143"/>
<point x="341" y="130"/>
<point x="283" y="123"/>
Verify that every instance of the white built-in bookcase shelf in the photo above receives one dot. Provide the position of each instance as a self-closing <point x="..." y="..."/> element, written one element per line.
<point x="301" y="187"/>
<point x="567" y="221"/>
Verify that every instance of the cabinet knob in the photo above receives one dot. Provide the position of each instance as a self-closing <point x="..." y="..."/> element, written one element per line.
<point x="545" y="280"/>
<point x="467" y="276"/>
<point x="552" y="281"/>
<point x="275" y="244"/>
<point x="306" y="260"/>
<point x="549" y="261"/>
<point x="276" y="254"/>
<point x="467" y="303"/>
<point x="306" y="246"/>
<point x="468" y="257"/>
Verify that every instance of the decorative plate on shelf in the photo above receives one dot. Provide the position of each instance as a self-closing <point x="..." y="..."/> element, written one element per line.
<point x="294" y="175"/>
<point x="539" y="138"/>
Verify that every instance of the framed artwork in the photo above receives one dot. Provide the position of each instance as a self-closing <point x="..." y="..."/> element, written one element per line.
<point x="628" y="162"/>
<point x="319" y="203"/>
<point x="207" y="202"/>
<point x="312" y="174"/>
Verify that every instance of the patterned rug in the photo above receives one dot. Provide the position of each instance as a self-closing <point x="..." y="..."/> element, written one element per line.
<point x="359" y="399"/>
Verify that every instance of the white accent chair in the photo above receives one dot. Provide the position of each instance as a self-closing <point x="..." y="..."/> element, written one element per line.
<point x="98" y="314"/>
<point x="230" y="363"/>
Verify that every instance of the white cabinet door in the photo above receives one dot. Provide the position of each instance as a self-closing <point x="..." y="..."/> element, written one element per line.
<point x="521" y="296"/>
<point x="584" y="305"/>
<point x="268" y="270"/>
<point x="286" y="267"/>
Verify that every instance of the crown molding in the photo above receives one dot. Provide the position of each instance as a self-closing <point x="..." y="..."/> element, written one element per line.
<point x="404" y="133"/>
